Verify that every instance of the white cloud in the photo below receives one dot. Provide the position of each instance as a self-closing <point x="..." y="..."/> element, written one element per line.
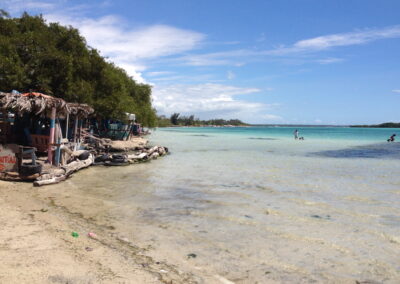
<point x="207" y="101"/>
<point x="18" y="6"/>
<point x="159" y="73"/>
<point x="130" y="48"/>
<point x="271" y="118"/>
<point x="230" y="75"/>
<point x="351" y="38"/>
<point x="219" y="58"/>
<point x="329" y="60"/>
<point x="396" y="91"/>
<point x="334" y="40"/>
<point x="301" y="47"/>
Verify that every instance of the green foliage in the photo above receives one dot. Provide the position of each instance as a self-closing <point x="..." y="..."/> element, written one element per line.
<point x="56" y="60"/>
<point x="174" y="118"/>
<point x="382" y="125"/>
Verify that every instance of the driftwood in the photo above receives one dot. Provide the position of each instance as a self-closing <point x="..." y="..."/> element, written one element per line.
<point x="152" y="153"/>
<point x="152" y="150"/>
<point x="140" y="156"/>
<point x="77" y="165"/>
<point x="155" y="155"/>
<point x="62" y="174"/>
<point x="52" y="180"/>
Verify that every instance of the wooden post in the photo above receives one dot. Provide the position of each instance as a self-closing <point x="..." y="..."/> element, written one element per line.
<point x="66" y="126"/>
<point x="51" y="140"/>
<point x="75" y="133"/>
<point x="57" y="138"/>
<point x="58" y="152"/>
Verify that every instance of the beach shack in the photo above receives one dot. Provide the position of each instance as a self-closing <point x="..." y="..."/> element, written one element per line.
<point x="35" y="130"/>
<point x="116" y="129"/>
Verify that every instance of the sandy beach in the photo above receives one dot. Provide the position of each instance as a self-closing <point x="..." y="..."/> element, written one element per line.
<point x="37" y="246"/>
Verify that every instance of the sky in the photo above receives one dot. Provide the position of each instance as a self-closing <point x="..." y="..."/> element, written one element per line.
<point x="262" y="61"/>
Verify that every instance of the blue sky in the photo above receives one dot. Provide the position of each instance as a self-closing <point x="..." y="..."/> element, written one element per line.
<point x="298" y="61"/>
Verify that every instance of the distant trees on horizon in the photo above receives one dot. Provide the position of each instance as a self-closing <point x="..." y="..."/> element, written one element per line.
<point x="177" y="120"/>
<point x="382" y="125"/>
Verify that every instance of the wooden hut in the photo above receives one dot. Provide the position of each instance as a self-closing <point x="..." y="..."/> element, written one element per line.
<point x="39" y="122"/>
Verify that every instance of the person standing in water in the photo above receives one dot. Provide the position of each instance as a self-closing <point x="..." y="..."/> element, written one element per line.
<point x="391" y="139"/>
<point x="296" y="134"/>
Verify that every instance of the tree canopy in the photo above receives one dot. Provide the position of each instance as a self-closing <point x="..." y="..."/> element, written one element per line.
<point x="56" y="60"/>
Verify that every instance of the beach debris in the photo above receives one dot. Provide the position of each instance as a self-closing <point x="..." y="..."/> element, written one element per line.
<point x="223" y="280"/>
<point x="191" y="255"/>
<point x="67" y="170"/>
<point x="75" y="234"/>
<point x="92" y="235"/>
<point x="163" y="271"/>
<point x="44" y="210"/>
<point x="326" y="217"/>
<point x="123" y="239"/>
<point x="248" y="216"/>
<point x="88" y="249"/>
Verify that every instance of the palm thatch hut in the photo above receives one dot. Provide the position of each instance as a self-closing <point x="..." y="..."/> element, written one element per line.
<point x="41" y="122"/>
<point x="40" y="104"/>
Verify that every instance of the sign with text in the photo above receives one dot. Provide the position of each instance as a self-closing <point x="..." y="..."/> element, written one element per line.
<point x="8" y="161"/>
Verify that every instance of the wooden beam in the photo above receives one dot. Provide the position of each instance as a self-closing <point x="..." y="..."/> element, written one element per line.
<point x="52" y="131"/>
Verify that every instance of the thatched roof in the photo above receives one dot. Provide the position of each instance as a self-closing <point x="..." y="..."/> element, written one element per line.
<point x="39" y="104"/>
<point x="81" y="110"/>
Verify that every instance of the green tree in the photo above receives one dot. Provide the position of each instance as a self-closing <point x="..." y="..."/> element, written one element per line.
<point x="56" y="60"/>
<point x="174" y="118"/>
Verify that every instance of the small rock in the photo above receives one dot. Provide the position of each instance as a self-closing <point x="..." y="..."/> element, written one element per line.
<point x="326" y="217"/>
<point x="123" y="239"/>
<point x="88" y="249"/>
<point x="44" y="210"/>
<point x="191" y="255"/>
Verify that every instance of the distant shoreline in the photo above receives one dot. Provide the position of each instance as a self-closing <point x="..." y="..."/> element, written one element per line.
<point x="382" y="125"/>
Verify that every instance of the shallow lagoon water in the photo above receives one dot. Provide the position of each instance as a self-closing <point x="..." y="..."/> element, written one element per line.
<point x="254" y="205"/>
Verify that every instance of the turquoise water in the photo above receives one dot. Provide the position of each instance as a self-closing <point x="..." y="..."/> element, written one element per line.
<point x="255" y="205"/>
<point x="341" y="133"/>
